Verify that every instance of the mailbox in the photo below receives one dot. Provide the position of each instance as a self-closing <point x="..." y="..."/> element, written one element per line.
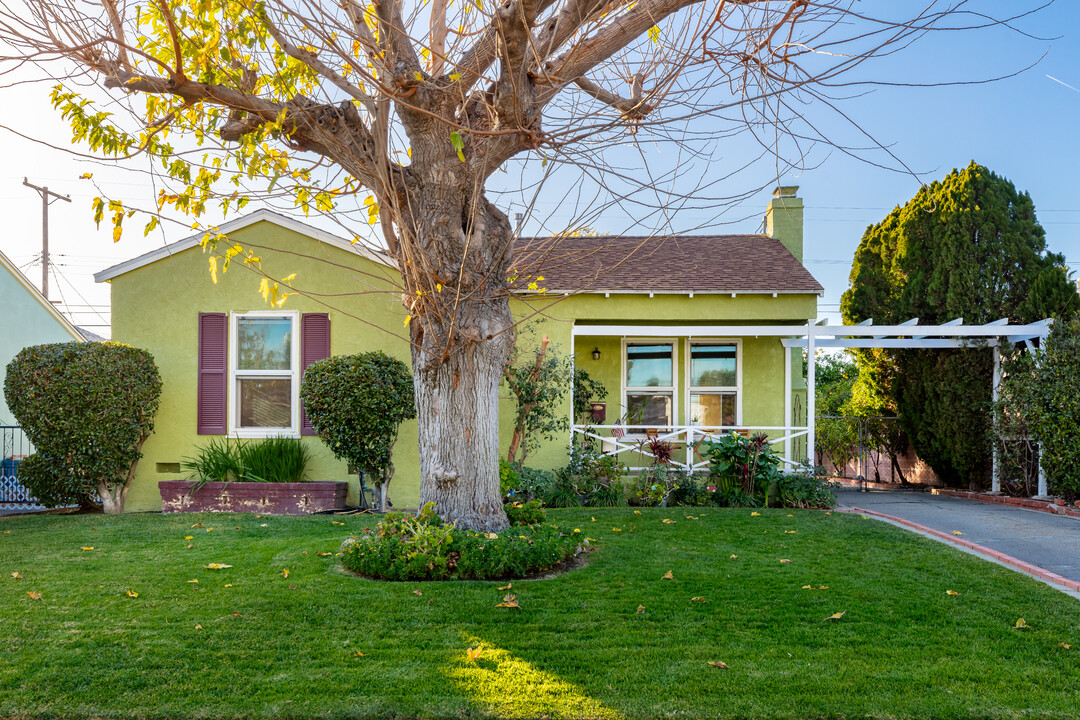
<point x="598" y="412"/>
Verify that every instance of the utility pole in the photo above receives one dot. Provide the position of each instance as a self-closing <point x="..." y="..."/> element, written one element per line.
<point x="45" y="193"/>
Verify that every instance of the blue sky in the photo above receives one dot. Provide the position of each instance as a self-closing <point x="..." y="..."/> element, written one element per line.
<point x="1026" y="128"/>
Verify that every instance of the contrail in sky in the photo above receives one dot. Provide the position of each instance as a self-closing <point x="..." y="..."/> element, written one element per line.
<point x="1062" y="83"/>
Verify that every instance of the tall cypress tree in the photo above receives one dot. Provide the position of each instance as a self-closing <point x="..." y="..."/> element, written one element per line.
<point x="967" y="246"/>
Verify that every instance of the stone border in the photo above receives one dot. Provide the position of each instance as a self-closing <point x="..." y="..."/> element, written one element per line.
<point x="1026" y="503"/>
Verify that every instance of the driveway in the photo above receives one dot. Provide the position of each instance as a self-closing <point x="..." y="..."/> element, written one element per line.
<point x="1047" y="541"/>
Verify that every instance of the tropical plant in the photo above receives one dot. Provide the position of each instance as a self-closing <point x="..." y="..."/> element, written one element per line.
<point x="356" y="403"/>
<point x="746" y="470"/>
<point x="88" y="408"/>
<point x="968" y="246"/>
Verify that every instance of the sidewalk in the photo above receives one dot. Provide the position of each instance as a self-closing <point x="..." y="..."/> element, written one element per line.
<point x="1046" y="541"/>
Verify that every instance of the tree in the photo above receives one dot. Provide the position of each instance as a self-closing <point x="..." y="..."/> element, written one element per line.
<point x="87" y="408"/>
<point x="970" y="247"/>
<point x="538" y="380"/>
<point x="403" y="110"/>
<point x="356" y="403"/>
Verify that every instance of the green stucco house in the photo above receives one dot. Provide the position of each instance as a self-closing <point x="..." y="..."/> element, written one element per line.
<point x="665" y="323"/>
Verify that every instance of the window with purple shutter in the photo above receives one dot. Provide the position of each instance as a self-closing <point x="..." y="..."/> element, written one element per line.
<point x="314" y="345"/>
<point x="212" y="415"/>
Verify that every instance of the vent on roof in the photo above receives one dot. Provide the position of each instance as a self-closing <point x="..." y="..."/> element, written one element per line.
<point x="785" y="191"/>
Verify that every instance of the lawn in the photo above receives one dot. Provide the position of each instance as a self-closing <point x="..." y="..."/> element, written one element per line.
<point x="255" y="641"/>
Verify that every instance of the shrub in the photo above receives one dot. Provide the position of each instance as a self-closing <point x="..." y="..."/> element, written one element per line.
<point x="422" y="547"/>
<point x="743" y="469"/>
<point x="533" y="483"/>
<point x="538" y="380"/>
<point x="87" y="408"/>
<point x="692" y="492"/>
<point x="804" y="490"/>
<point x="275" y="460"/>
<point x="529" y="513"/>
<point x="356" y="403"/>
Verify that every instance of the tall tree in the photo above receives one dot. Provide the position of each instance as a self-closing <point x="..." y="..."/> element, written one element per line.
<point x="410" y="106"/>
<point x="968" y="246"/>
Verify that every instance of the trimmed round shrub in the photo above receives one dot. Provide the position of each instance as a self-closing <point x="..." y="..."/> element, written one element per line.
<point x="356" y="403"/>
<point x="87" y="408"/>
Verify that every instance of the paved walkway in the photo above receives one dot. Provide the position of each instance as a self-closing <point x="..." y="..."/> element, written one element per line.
<point x="1050" y="542"/>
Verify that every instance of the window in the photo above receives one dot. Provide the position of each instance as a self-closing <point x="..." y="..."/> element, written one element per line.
<point x="714" y="384"/>
<point x="650" y="383"/>
<point x="264" y="366"/>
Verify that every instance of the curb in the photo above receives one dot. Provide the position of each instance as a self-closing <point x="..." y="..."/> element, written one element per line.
<point x="1026" y="503"/>
<point x="1028" y="568"/>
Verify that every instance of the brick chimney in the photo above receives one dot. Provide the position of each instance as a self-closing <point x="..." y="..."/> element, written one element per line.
<point x="784" y="219"/>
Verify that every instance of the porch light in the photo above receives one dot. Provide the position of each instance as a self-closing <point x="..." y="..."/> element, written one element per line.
<point x="596" y="353"/>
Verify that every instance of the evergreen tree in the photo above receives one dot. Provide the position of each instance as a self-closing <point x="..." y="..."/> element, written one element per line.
<point x="970" y="247"/>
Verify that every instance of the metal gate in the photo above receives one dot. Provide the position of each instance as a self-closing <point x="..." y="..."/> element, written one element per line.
<point x="13" y="448"/>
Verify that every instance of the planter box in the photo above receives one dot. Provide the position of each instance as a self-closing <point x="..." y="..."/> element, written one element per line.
<point x="245" y="497"/>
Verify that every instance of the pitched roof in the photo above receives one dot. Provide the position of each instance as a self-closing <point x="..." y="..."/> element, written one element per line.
<point x="687" y="263"/>
<point x="260" y="215"/>
<point x="32" y="290"/>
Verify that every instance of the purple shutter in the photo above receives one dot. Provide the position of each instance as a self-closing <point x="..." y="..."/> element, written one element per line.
<point x="213" y="374"/>
<point x="314" y="345"/>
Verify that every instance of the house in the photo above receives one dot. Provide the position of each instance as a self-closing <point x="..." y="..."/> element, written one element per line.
<point x="662" y="328"/>
<point x="29" y="319"/>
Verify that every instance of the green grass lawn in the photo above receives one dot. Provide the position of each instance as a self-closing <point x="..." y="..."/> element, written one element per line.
<point x="247" y="641"/>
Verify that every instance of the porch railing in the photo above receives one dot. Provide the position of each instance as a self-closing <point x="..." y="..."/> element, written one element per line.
<point x="13" y="448"/>
<point x="631" y="441"/>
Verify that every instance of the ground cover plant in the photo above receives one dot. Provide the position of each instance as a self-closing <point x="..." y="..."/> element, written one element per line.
<point x="218" y="615"/>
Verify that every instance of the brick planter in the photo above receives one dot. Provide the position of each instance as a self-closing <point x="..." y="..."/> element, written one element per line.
<point x="265" y="498"/>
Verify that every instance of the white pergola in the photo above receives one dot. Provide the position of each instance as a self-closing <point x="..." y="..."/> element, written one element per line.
<point x="815" y="335"/>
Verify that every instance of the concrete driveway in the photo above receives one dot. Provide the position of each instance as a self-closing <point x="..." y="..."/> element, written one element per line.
<point x="1044" y="540"/>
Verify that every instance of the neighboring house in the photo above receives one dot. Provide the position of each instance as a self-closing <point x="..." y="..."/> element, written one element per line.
<point x="231" y="364"/>
<point x="29" y="319"/>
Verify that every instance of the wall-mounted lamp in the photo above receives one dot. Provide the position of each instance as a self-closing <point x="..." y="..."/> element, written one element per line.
<point x="596" y="354"/>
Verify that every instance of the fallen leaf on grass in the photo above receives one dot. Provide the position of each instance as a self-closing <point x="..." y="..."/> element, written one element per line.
<point x="209" y="529"/>
<point x="197" y="525"/>
<point x="189" y="537"/>
<point x="1065" y="645"/>
<point x="189" y="547"/>
<point x="417" y="593"/>
<point x="951" y="592"/>
<point x="616" y="529"/>
<point x="784" y="561"/>
<point x="16" y="575"/>
<point x="236" y="613"/>
<point x="699" y="598"/>
<point x="358" y="654"/>
<point x="755" y="514"/>
<point x="285" y="573"/>
<point x="507" y="586"/>
<point x="668" y="576"/>
<point x="733" y="556"/>
<point x="292" y="587"/>
<point x="258" y="517"/>
<point x="718" y="664"/>
<point x="791" y="532"/>
<point x="473" y="653"/>
<point x="228" y="584"/>
<point x="217" y="566"/>
<point x="198" y="627"/>
<point x="87" y="549"/>
<point x="34" y="595"/>
<point x="1021" y="625"/>
<point x="193" y="580"/>
<point x="335" y="522"/>
<point x="323" y="554"/>
<point x="957" y="532"/>
<point x="132" y="594"/>
<point x="668" y="521"/>
<point x="637" y="512"/>
<point x="263" y="525"/>
<point x="640" y="609"/>
<point x="837" y="616"/>
<point x="509" y="601"/>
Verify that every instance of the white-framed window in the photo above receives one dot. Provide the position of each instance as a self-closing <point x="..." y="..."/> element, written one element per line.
<point x="714" y="379"/>
<point x="649" y="381"/>
<point x="264" y="374"/>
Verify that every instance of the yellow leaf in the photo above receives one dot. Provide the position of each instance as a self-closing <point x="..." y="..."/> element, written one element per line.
<point x="16" y="575"/>
<point x="691" y="517"/>
<point x="494" y="536"/>
<point x="189" y="537"/>
<point x="668" y="521"/>
<point x="197" y="525"/>
<point x="755" y="514"/>
<point x="507" y="586"/>
<point x="455" y="76"/>
<point x="217" y="566"/>
<point x="509" y="601"/>
<point x="86" y="176"/>
<point x="807" y="587"/>
<point x="228" y="584"/>
<point x="34" y="595"/>
<point x="1021" y="625"/>
<point x="323" y="554"/>
<point x="957" y="532"/>
<point x="616" y="529"/>
<point x="951" y="592"/>
<point x="733" y="556"/>
<point x="637" y="512"/>
<point x="132" y="594"/>
<point x="718" y="664"/>
<point x="473" y="653"/>
<point x="699" y="598"/>
<point x="1065" y="645"/>
<point x="419" y="77"/>
<point x="358" y="654"/>
<point x="193" y="580"/>
<point x="640" y="609"/>
<point x="417" y="593"/>
<point x="837" y="616"/>
<point x="407" y="319"/>
<point x="668" y="576"/>
<point x="285" y="573"/>
<point x="335" y="522"/>
<point x="87" y="549"/>
<point x="784" y="561"/>
<point x="791" y="532"/>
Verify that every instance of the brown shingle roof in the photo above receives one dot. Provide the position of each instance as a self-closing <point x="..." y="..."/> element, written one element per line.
<point x="689" y="263"/>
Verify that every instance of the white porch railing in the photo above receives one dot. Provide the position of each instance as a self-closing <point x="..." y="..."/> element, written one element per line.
<point x="633" y="440"/>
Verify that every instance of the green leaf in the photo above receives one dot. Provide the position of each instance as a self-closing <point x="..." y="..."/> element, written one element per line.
<point x="459" y="145"/>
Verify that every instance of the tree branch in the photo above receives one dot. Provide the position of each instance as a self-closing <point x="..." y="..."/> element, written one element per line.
<point x="632" y="108"/>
